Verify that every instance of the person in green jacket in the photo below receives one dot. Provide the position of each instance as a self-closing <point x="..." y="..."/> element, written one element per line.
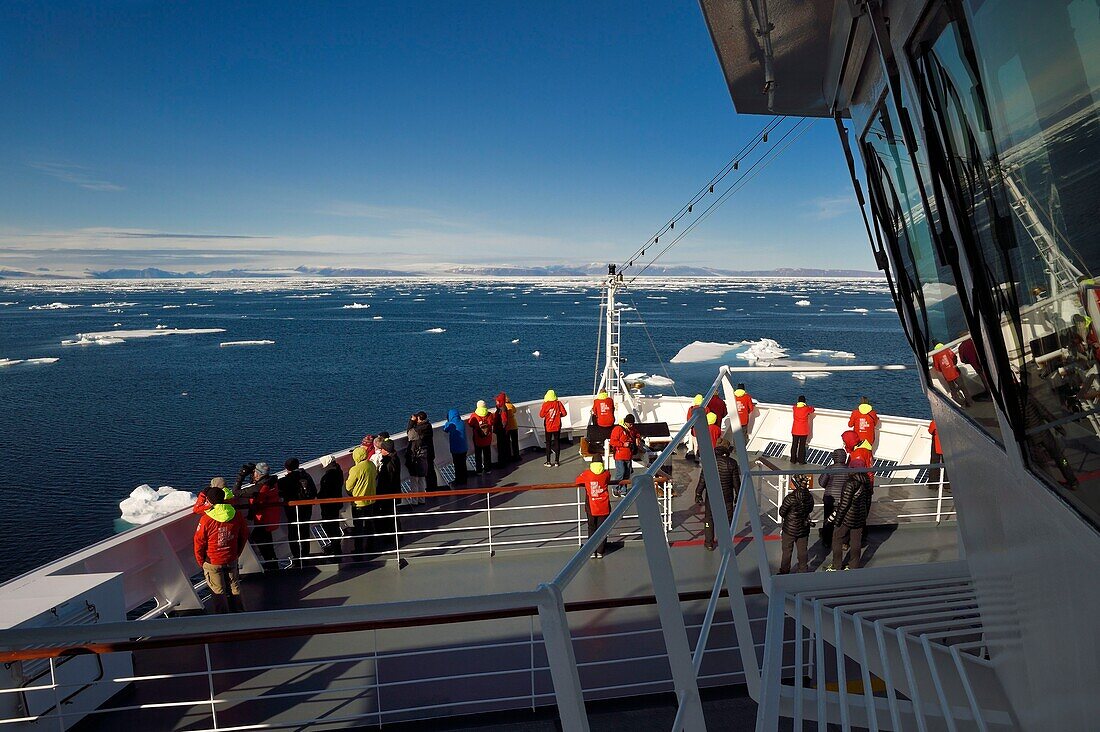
<point x="362" y="481"/>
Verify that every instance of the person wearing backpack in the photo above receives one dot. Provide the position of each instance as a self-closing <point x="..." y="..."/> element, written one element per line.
<point x="332" y="486"/>
<point x="795" y="512"/>
<point x="481" y="425"/>
<point x="297" y="485"/>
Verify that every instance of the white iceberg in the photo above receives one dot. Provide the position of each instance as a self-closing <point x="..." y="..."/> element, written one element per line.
<point x="701" y="351"/>
<point x="764" y="349"/>
<point x="515" y="340"/>
<point x="110" y="337"/>
<point x="223" y="344"/>
<point x="377" y="317"/>
<point x="436" y="330"/>
<point x="536" y="354"/>
<point x="52" y="306"/>
<point x="113" y="304"/>
<point x="828" y="353"/>
<point x="718" y="308"/>
<point x="145" y="504"/>
<point x="650" y="379"/>
<point x="9" y="361"/>
<point x="356" y="306"/>
<point x="51" y="359"/>
<point x="802" y="303"/>
<point x="862" y="311"/>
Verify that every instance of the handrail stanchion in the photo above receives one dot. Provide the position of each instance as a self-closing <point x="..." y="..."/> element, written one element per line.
<point x="531" y="620"/>
<point x="581" y="498"/>
<point x="57" y="696"/>
<point x="668" y="603"/>
<point x="489" y="519"/>
<point x="939" y="498"/>
<point x="209" y="683"/>
<point x="562" y="659"/>
<point x="396" y="535"/>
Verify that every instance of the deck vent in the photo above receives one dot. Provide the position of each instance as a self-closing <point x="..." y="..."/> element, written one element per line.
<point x="775" y="449"/>
<point x="885" y="464"/>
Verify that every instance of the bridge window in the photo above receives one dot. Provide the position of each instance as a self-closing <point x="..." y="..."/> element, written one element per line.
<point x="1009" y="94"/>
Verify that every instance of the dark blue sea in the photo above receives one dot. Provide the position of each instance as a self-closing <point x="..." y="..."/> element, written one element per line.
<point x="78" y="434"/>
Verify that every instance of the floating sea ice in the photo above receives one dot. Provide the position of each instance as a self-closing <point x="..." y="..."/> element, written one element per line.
<point x="718" y="308"/>
<point x="357" y="306"/>
<point x="113" y="304"/>
<point x="802" y="303"/>
<point x="52" y="306"/>
<point x="117" y="325"/>
<point x="436" y="330"/>
<point x="9" y="361"/>
<point x="145" y="504"/>
<point x="9" y="302"/>
<point x="161" y="327"/>
<point x="223" y="344"/>
<point x="536" y="354"/>
<point x="700" y="351"/>
<point x="650" y="379"/>
<point x="803" y="375"/>
<point x="856" y="310"/>
<point x="827" y="353"/>
<point x="51" y="359"/>
<point x="764" y="349"/>
<point x="111" y="337"/>
<point x="515" y="340"/>
<point x="169" y="307"/>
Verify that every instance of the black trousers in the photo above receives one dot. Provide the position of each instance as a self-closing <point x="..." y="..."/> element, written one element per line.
<point x="504" y="448"/>
<point x="461" y="469"/>
<point x="553" y="442"/>
<point x="594" y="522"/>
<point x="297" y="533"/>
<point x="263" y="542"/>
<point x="789" y="543"/>
<point x="854" y="537"/>
<point x="330" y="514"/>
<point x="826" y="532"/>
<point x="958" y="392"/>
<point x="798" y="449"/>
<point x="483" y="459"/>
<point x="513" y="440"/>
<point x="934" y="473"/>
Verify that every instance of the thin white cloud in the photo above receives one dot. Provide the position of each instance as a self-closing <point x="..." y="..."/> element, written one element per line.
<point x="830" y="207"/>
<point x="76" y="175"/>
<point x="408" y="214"/>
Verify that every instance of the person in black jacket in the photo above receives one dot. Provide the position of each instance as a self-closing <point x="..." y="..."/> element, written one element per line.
<point x="389" y="482"/>
<point x="850" y="517"/>
<point x="833" y="483"/>
<point x="729" y="477"/>
<point x="795" y="512"/>
<point x="297" y="485"/>
<point x="332" y="486"/>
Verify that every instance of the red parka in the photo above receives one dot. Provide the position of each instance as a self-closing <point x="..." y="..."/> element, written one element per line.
<point x="622" y="442"/>
<point x="935" y="437"/>
<point x="800" y="425"/>
<point x="864" y="424"/>
<point x="482" y="427"/>
<point x="551" y="414"/>
<point x="595" y="486"/>
<point x="220" y="536"/>
<point x="265" y="507"/>
<point x="745" y="405"/>
<point x="946" y="362"/>
<point x="604" y="409"/>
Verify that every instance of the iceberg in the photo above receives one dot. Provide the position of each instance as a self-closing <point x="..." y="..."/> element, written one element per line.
<point x="802" y="303"/>
<point x="436" y="330"/>
<point x="862" y="311"/>
<point x="515" y="340"/>
<point x="9" y="361"/>
<point x="650" y="379"/>
<point x="52" y="306"/>
<point x="114" y="304"/>
<point x="145" y="504"/>
<point x="51" y="359"/>
<point x="109" y="337"/>
<point x="536" y="354"/>
<point x="827" y="353"/>
<point x="356" y="306"/>
<point x="223" y="344"/>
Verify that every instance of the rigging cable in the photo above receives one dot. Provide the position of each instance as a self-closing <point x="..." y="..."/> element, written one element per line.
<point x="653" y="345"/>
<point x="765" y="160"/>
<point x="729" y="167"/>
<point x="599" y="342"/>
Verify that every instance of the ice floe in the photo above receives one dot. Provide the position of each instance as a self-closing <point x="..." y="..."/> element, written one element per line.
<point x="113" y="304"/>
<point x="377" y="317"/>
<point x="436" y="330"/>
<point x="515" y="340"/>
<point x="827" y="353"/>
<point x="650" y="379"/>
<point x="536" y="354"/>
<point x="145" y="504"/>
<point x="9" y="361"/>
<point x="763" y="350"/>
<point x="718" y="308"/>
<point x="110" y="337"/>
<point x="5" y="303"/>
<point x="357" y="306"/>
<point x="862" y="311"/>
<point x="52" y="306"/>
<point x="169" y="307"/>
<point x="223" y="344"/>
<point x="43" y="361"/>
<point x="802" y="303"/>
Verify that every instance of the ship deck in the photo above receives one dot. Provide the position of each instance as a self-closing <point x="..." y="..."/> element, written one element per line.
<point x="350" y="679"/>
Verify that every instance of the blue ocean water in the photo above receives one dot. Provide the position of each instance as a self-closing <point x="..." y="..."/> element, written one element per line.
<point x="77" y="435"/>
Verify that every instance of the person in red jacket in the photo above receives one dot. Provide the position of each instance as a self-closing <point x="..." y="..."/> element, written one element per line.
<point x="745" y="407"/>
<point x="597" y="503"/>
<point x="946" y="362"/>
<point x="935" y="458"/>
<point x="692" y="441"/>
<point x="624" y="441"/>
<point x="864" y="420"/>
<point x="717" y="405"/>
<point x="863" y="454"/>
<point x="481" y="425"/>
<point x="552" y="412"/>
<point x="265" y="510"/>
<point x="219" y="540"/>
<point x="203" y="504"/>
<point x="850" y="440"/>
<point x="714" y="429"/>
<point x="800" y="430"/>
<point x="603" y="410"/>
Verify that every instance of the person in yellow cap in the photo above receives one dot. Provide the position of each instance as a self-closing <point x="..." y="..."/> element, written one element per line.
<point x="946" y="363"/>
<point x="864" y="420"/>
<point x="746" y="405"/>
<point x="800" y="430"/>
<point x="552" y="412"/>
<point x="481" y="425"/>
<point x="714" y="429"/>
<point x="597" y="502"/>
<point x="603" y="410"/>
<point x="624" y="442"/>
<point x="692" y="441"/>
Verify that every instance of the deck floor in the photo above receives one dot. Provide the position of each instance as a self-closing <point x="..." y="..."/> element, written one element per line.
<point x="342" y="676"/>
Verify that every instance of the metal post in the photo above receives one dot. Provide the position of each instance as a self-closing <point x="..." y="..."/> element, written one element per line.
<point x="396" y="535"/>
<point x="57" y="697"/>
<point x="581" y="497"/>
<point x="531" y="618"/>
<point x="377" y="679"/>
<point x="939" y="498"/>
<point x="489" y="519"/>
<point x="562" y="660"/>
<point x="210" y="684"/>
<point x="668" y="603"/>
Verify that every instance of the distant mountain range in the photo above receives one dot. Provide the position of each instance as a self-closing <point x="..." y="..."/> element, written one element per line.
<point x="553" y="270"/>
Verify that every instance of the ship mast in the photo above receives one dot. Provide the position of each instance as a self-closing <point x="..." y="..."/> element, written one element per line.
<point x="612" y="379"/>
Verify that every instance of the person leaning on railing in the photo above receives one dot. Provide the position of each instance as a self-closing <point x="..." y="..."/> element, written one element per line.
<point x="264" y="510"/>
<point x="219" y="540"/>
<point x="362" y="483"/>
<point x="331" y="486"/>
<point x="795" y="511"/>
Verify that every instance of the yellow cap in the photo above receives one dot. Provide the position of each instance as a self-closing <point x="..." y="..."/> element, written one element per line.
<point x="938" y="346"/>
<point x="602" y="395"/>
<point x="596" y="468"/>
<point x="800" y="404"/>
<point x="865" y="408"/>
<point x="739" y="392"/>
<point x="865" y="445"/>
<point x="712" y="418"/>
<point x="482" y="410"/>
<point x="550" y="396"/>
<point x="698" y="400"/>
<point x="480" y="403"/>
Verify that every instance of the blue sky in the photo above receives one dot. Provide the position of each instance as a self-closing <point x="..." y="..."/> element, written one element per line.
<point x="387" y="133"/>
